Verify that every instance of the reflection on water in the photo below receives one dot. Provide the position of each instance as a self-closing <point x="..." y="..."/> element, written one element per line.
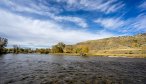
<point x="49" y="69"/>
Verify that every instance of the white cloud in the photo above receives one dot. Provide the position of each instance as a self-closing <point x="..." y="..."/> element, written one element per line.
<point x="31" y="7"/>
<point x="140" y="23"/>
<point x="26" y="31"/>
<point x="42" y="9"/>
<point x="110" y="23"/>
<point x="137" y="24"/>
<point x="134" y="25"/>
<point x="106" y="6"/>
<point x="79" y="21"/>
<point x="143" y="5"/>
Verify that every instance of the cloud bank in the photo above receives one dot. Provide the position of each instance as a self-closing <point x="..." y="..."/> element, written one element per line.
<point x="43" y="23"/>
<point x="29" y="32"/>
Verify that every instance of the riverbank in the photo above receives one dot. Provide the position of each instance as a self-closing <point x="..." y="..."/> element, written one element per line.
<point x="123" y="55"/>
<point x="103" y="54"/>
<point x="98" y="54"/>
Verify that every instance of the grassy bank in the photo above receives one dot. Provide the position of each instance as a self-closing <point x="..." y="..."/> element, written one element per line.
<point x="103" y="54"/>
<point x="66" y="54"/>
<point x="123" y="55"/>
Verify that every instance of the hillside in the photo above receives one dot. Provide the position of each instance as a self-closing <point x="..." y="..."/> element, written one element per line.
<point x="117" y="45"/>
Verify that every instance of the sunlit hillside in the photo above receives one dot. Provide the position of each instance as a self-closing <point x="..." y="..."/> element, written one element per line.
<point x="117" y="45"/>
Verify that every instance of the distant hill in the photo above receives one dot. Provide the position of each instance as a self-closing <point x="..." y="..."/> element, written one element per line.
<point x="118" y="45"/>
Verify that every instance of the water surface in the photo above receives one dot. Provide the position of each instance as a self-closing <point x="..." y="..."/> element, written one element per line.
<point x="49" y="69"/>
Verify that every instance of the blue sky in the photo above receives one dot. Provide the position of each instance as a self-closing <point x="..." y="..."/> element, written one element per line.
<point x="43" y="23"/>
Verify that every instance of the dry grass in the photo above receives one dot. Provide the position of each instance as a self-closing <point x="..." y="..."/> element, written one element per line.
<point x="122" y="55"/>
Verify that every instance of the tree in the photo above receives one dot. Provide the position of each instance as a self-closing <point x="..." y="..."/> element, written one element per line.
<point x="57" y="49"/>
<point x="61" y="45"/>
<point x="82" y="49"/>
<point x="3" y="44"/>
<point x="77" y="50"/>
<point x="85" y="49"/>
<point x="16" y="49"/>
<point x="68" y="49"/>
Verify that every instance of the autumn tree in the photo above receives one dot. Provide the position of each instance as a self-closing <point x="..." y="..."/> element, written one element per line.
<point x="57" y="49"/>
<point x="81" y="49"/>
<point x="85" y="49"/>
<point x="77" y="50"/>
<point x="68" y="49"/>
<point x="61" y="45"/>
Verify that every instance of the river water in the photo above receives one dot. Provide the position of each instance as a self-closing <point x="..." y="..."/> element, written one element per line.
<point x="51" y="69"/>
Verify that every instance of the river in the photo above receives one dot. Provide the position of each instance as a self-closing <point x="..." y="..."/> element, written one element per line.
<point x="51" y="69"/>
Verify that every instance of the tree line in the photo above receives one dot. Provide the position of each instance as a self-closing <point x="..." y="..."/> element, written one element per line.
<point x="58" y="48"/>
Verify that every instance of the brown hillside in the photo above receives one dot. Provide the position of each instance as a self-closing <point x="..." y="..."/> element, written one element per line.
<point x="116" y="44"/>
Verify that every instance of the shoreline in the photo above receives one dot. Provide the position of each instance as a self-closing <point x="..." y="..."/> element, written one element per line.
<point x="104" y="55"/>
<point x="90" y="55"/>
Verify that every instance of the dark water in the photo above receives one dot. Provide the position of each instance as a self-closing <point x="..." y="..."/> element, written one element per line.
<point x="48" y="69"/>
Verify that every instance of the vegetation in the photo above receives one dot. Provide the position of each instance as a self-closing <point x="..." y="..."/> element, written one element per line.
<point x="3" y="44"/>
<point x="43" y="51"/>
<point x="117" y="45"/>
<point x="68" y="49"/>
<point x="123" y="45"/>
<point x="17" y="49"/>
<point x="58" y="48"/>
<point x="144" y="49"/>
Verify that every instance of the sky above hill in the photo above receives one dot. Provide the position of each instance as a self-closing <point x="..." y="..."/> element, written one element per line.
<point x="43" y="23"/>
